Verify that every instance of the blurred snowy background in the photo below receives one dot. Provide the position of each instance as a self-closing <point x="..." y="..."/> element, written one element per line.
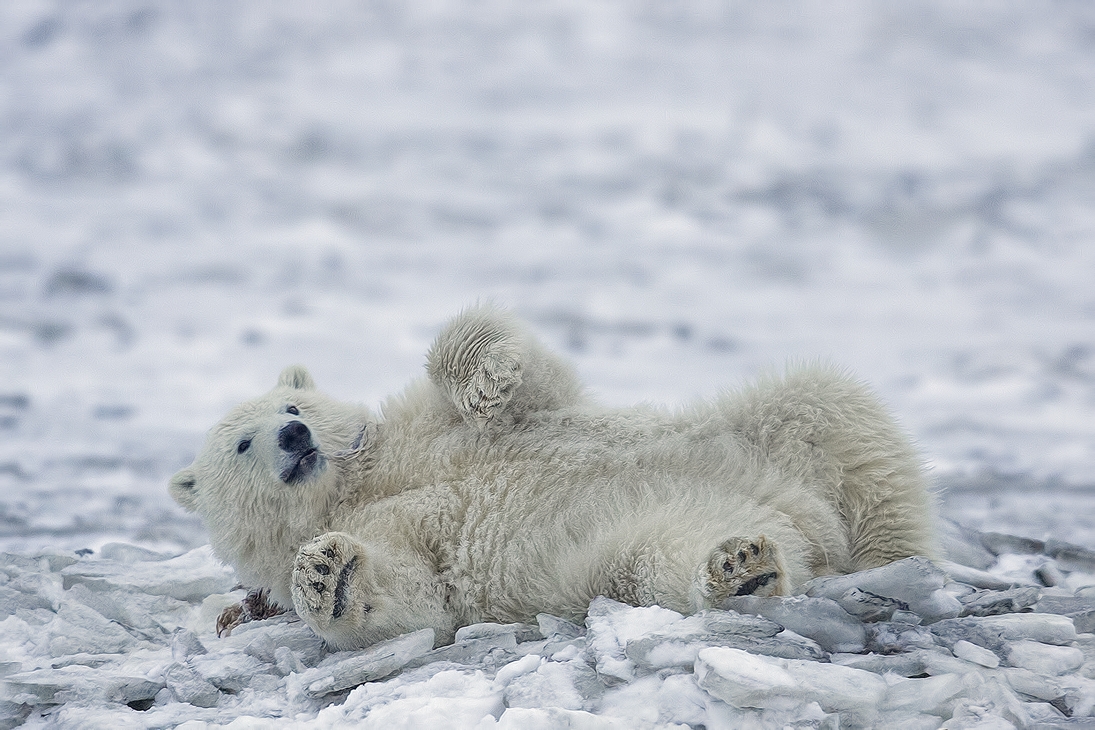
<point x="678" y="195"/>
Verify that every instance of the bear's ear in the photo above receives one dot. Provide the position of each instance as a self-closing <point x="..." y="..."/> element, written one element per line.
<point x="296" y="377"/>
<point x="184" y="489"/>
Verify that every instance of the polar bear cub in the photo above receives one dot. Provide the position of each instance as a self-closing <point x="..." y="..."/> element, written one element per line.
<point x="493" y="490"/>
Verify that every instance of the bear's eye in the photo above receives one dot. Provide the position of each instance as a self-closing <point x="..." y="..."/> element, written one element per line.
<point x="243" y="446"/>
<point x="292" y="409"/>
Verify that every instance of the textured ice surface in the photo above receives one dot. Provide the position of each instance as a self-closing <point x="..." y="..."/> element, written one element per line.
<point x="676" y="195"/>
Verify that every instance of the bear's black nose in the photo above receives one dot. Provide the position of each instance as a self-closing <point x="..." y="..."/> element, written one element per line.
<point x="294" y="436"/>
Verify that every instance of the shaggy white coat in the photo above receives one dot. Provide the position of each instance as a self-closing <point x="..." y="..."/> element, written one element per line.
<point x="493" y="490"/>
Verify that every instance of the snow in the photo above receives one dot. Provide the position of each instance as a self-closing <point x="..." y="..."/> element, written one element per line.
<point x="676" y="196"/>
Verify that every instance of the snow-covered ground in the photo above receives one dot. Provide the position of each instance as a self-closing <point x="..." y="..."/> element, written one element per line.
<point x="676" y="195"/>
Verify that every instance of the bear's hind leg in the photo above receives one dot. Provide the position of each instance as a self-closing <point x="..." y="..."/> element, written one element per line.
<point x="740" y="567"/>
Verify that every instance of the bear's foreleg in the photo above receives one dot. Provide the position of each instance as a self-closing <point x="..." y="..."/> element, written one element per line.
<point x="354" y="594"/>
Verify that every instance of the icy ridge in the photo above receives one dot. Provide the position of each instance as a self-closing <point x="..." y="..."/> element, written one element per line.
<point x="1001" y="639"/>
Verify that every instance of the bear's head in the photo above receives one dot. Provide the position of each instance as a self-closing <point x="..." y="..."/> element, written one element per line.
<point x="270" y="472"/>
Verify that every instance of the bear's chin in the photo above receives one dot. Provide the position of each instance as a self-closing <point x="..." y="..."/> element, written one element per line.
<point x="303" y="466"/>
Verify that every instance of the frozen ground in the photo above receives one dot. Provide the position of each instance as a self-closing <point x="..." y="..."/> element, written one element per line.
<point x="677" y="195"/>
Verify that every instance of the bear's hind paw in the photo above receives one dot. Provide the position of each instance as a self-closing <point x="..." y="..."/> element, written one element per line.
<point x="744" y="566"/>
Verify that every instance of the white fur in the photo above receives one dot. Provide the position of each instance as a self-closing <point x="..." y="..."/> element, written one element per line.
<point x="493" y="490"/>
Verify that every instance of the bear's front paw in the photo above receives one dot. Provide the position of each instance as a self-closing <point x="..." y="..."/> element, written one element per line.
<point x="744" y="566"/>
<point x="255" y="606"/>
<point x="323" y="585"/>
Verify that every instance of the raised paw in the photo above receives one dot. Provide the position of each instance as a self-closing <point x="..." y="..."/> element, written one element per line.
<point x="744" y="566"/>
<point x="489" y="388"/>
<point x="323" y="584"/>
<point x="477" y="361"/>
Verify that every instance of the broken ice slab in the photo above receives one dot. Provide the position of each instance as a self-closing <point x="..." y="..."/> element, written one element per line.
<point x="611" y="625"/>
<point x="553" y="627"/>
<point x="189" y="686"/>
<point x="914" y="581"/>
<point x="189" y="577"/>
<point x="973" y="577"/>
<point x="928" y="695"/>
<point x="976" y="654"/>
<point x="261" y="638"/>
<point x="999" y="543"/>
<point x="231" y="670"/>
<point x="820" y="619"/>
<point x="80" y="629"/>
<point x="185" y="644"/>
<point x="521" y="632"/>
<point x="491" y="649"/>
<point x="963" y="545"/>
<point x="994" y="603"/>
<point x="122" y="552"/>
<point x="745" y="680"/>
<point x="1071" y="557"/>
<point x="994" y="632"/>
<point x="1043" y="658"/>
<point x="348" y="669"/>
<point x="678" y="644"/>
<point x="82" y="684"/>
<point x="1064" y="604"/>
<point x="570" y="685"/>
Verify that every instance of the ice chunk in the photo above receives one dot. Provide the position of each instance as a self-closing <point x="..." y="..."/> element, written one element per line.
<point x="976" y="654"/>
<point x="928" y="695"/>
<point x="189" y="577"/>
<point x="349" y="669"/>
<point x="82" y="684"/>
<point x="1065" y="605"/>
<point x="185" y="644"/>
<point x="1044" y="658"/>
<point x="993" y="632"/>
<point x="993" y="603"/>
<point x="149" y="616"/>
<point x="999" y="543"/>
<point x="570" y="685"/>
<point x="1071" y="557"/>
<point x="746" y="680"/>
<point x="521" y="632"/>
<point x="820" y="619"/>
<point x="554" y="718"/>
<point x="888" y="637"/>
<point x="230" y="670"/>
<point x="287" y="661"/>
<point x="553" y="627"/>
<point x="914" y="581"/>
<point x="870" y="607"/>
<point x="125" y="553"/>
<point x="1031" y="684"/>
<point x="611" y="625"/>
<point x="974" y="577"/>
<point x="1049" y="574"/>
<point x="963" y="545"/>
<point x="12" y="600"/>
<point x="188" y="686"/>
<point x="1084" y="622"/>
<point x="679" y="643"/>
<point x="491" y="649"/>
<point x="79" y="629"/>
